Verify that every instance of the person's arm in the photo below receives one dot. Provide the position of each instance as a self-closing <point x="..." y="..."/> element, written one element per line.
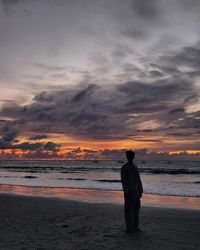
<point x="140" y="184"/>
<point x="124" y="179"/>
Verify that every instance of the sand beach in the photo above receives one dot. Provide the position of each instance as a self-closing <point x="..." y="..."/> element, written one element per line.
<point x="50" y="223"/>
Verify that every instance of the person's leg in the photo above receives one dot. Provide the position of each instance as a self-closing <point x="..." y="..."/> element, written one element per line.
<point x="136" y="214"/>
<point x="128" y="214"/>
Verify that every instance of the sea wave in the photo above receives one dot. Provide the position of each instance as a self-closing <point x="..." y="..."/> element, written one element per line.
<point x="149" y="170"/>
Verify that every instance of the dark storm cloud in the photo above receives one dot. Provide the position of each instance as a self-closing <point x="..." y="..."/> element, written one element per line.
<point x="43" y="97"/>
<point x="108" y="113"/>
<point x="8" y="133"/>
<point x="51" y="146"/>
<point x="38" y="137"/>
<point x="157" y="96"/>
<point x="84" y="93"/>
<point x="10" y="130"/>
<point x="26" y="146"/>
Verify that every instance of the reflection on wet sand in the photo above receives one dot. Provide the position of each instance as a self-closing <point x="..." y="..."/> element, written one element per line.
<point x="101" y="196"/>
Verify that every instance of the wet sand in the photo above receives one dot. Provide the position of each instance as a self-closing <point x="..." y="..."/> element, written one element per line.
<point x="49" y="223"/>
<point x="100" y="196"/>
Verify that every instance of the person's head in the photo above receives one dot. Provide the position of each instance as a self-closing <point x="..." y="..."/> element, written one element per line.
<point x="130" y="155"/>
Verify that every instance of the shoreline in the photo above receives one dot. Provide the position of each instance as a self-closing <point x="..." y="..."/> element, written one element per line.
<point x="98" y="189"/>
<point x="100" y="196"/>
<point x="49" y="223"/>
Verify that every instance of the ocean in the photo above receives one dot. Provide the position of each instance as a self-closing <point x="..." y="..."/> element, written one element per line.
<point x="176" y="178"/>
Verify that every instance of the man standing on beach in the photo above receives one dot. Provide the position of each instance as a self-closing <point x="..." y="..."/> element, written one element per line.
<point x="132" y="187"/>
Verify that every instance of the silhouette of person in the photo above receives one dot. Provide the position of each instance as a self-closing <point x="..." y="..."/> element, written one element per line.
<point x="132" y="187"/>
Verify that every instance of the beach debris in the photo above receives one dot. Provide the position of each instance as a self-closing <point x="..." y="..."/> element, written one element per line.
<point x="65" y="225"/>
<point x="109" y="235"/>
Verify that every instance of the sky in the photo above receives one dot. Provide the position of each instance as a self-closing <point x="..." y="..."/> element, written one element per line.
<point x="90" y="79"/>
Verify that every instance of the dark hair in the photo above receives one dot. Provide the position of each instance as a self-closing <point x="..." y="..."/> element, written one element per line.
<point x="130" y="154"/>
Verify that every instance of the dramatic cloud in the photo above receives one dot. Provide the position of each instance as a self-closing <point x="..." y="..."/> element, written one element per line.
<point x="93" y="112"/>
<point x="9" y="132"/>
<point x="124" y="73"/>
